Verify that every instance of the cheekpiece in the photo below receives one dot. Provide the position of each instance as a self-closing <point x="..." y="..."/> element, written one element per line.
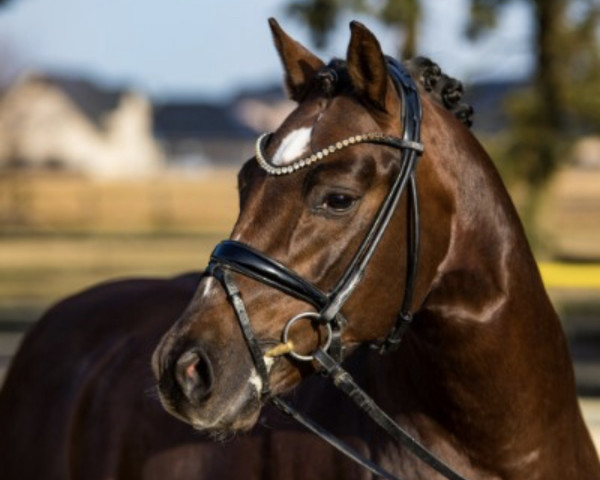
<point x="376" y="137"/>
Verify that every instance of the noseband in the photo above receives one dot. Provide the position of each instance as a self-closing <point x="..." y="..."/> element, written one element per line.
<point x="232" y="256"/>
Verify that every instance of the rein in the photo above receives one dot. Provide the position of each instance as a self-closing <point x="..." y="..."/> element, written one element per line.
<point x="232" y="256"/>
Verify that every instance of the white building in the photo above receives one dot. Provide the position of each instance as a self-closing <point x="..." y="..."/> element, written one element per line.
<point x="72" y="125"/>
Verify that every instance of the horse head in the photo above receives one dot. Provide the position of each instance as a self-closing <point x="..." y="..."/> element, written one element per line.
<point x="307" y="201"/>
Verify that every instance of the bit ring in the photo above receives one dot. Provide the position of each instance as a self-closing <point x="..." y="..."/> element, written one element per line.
<point x="312" y="316"/>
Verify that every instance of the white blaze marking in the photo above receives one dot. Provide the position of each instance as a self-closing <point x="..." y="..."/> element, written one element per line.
<point x="293" y="146"/>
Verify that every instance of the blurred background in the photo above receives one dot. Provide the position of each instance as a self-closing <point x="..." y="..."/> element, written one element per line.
<point x="122" y="126"/>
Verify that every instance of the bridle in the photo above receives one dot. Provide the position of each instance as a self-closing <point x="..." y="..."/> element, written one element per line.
<point x="232" y="256"/>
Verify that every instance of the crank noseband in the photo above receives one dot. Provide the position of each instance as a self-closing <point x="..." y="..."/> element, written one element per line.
<point x="244" y="259"/>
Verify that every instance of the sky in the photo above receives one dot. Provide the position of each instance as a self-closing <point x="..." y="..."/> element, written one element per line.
<point x="210" y="49"/>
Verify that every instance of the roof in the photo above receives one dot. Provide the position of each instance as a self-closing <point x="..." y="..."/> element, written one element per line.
<point x="95" y="102"/>
<point x="198" y="120"/>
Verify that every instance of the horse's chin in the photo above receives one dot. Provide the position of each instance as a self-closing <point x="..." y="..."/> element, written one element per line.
<point x="228" y="428"/>
<point x="227" y="419"/>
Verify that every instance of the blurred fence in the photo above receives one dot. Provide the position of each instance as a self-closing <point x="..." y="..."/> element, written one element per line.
<point x="61" y="203"/>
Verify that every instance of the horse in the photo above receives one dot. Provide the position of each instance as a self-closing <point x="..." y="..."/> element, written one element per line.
<point x="376" y="245"/>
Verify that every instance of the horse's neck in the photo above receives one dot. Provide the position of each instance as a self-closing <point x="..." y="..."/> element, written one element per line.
<point x="486" y="357"/>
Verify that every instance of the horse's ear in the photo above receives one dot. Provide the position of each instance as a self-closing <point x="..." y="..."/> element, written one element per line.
<point x="367" y="66"/>
<point x="300" y="64"/>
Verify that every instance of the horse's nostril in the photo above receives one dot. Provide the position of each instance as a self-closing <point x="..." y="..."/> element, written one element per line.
<point x="193" y="372"/>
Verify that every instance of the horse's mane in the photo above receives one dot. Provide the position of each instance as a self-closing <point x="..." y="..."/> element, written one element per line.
<point x="445" y="90"/>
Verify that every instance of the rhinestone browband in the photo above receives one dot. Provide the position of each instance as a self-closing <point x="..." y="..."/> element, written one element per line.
<point x="380" y="138"/>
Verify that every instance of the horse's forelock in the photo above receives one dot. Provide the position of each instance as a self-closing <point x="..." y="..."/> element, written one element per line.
<point x="446" y="90"/>
<point x="333" y="79"/>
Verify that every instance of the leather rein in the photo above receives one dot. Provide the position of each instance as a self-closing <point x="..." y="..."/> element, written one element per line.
<point x="232" y="256"/>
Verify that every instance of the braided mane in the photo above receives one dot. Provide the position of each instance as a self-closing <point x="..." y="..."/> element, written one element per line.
<point x="447" y="91"/>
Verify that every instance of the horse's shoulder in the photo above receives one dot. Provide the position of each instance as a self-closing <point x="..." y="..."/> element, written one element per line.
<point x="88" y="351"/>
<point x="117" y="293"/>
<point x="85" y="327"/>
<point x="119" y="303"/>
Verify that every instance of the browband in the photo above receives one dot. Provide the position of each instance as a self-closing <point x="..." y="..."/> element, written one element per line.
<point x="374" y="137"/>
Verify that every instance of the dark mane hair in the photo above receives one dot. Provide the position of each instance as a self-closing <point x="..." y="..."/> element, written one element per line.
<point x="447" y="91"/>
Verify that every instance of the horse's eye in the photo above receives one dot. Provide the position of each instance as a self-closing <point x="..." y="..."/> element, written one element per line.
<point x="339" y="202"/>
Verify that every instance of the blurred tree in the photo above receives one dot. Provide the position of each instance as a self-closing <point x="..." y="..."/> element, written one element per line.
<point x="564" y="98"/>
<point x="321" y="16"/>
